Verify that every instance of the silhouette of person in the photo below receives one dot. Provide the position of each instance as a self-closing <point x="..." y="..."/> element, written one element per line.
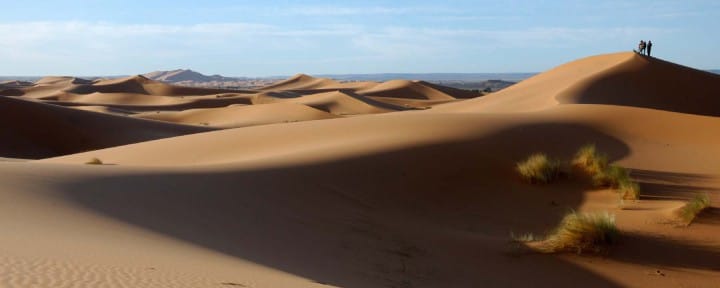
<point x="641" y="47"/>
<point x="649" y="47"/>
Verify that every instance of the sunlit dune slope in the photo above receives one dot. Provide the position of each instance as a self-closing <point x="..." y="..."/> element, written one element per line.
<point x="354" y="137"/>
<point x="301" y="82"/>
<point x="241" y="115"/>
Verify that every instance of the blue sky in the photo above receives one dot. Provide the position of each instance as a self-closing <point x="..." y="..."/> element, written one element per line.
<point x="264" y="38"/>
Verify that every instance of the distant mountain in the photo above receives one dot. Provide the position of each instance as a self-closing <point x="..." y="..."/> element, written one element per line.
<point x="716" y="71"/>
<point x="187" y="75"/>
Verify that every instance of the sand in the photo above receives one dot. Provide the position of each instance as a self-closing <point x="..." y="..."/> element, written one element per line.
<point x="314" y="183"/>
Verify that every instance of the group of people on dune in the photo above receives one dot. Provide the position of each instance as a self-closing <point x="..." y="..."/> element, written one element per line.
<point x="644" y="48"/>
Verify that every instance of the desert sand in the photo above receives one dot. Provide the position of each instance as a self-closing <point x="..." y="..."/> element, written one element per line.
<point x="311" y="182"/>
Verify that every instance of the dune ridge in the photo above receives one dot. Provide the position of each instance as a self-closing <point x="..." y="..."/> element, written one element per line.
<point x="626" y="79"/>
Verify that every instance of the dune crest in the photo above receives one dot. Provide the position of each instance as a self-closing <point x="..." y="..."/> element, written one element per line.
<point x="626" y="79"/>
<point x="302" y="82"/>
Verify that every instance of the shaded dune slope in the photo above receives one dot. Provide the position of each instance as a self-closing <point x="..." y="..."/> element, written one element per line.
<point x="37" y="130"/>
<point x="652" y="83"/>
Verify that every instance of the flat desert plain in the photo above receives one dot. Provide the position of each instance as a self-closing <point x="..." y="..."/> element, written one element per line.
<point x="311" y="182"/>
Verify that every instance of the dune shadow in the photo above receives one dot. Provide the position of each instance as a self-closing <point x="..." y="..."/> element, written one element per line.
<point x="710" y="216"/>
<point x="656" y="84"/>
<point x="355" y="222"/>
<point x="663" y="176"/>
<point x="654" y="252"/>
<point x="669" y="185"/>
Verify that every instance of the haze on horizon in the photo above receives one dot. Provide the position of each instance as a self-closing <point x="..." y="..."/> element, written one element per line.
<point x="263" y="38"/>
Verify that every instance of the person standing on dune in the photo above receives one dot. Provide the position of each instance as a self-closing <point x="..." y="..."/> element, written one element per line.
<point x="649" y="47"/>
<point x="641" y="47"/>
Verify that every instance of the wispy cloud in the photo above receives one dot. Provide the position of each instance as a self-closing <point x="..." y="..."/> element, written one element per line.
<point x="145" y="46"/>
<point x="364" y="10"/>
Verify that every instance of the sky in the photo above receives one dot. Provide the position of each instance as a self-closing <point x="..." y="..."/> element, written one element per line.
<point x="271" y="38"/>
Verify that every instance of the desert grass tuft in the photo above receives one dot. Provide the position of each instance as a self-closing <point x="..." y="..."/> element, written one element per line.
<point x="525" y="237"/>
<point x="94" y="161"/>
<point x="617" y="177"/>
<point x="539" y="168"/>
<point x="696" y="205"/>
<point x="579" y="232"/>
<point x="590" y="160"/>
<point x="604" y="175"/>
<point x="629" y="190"/>
<point x="612" y="176"/>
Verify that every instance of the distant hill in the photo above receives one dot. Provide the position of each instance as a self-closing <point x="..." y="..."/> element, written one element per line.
<point x="716" y="71"/>
<point x="182" y="75"/>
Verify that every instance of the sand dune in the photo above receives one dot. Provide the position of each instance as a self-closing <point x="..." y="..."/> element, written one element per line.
<point x="62" y="80"/>
<point x="139" y="94"/>
<point x="141" y="85"/>
<point x="626" y="79"/>
<point x="37" y="130"/>
<point x="341" y="102"/>
<point x="395" y="93"/>
<point x="319" y="139"/>
<point x="301" y="82"/>
<point x="241" y="115"/>
<point x="385" y="198"/>
<point x="652" y="83"/>
<point x="406" y="89"/>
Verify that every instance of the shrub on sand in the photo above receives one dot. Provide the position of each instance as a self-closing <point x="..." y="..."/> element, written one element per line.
<point x="583" y="232"/>
<point x="94" y="161"/>
<point x="629" y="190"/>
<point x="538" y="168"/>
<point x="696" y="205"/>
<point x="526" y="237"/>
<point x="590" y="160"/>
<point x="617" y="177"/>
<point x="611" y="176"/>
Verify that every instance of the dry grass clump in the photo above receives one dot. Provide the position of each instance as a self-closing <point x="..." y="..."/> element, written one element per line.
<point x="525" y="237"/>
<point x="538" y="168"/>
<point x="604" y="175"/>
<point x="581" y="232"/>
<point x="630" y="190"/>
<point x="611" y="176"/>
<point x="696" y="205"/>
<point x="94" y="161"/>
<point x="590" y="160"/>
<point x="617" y="177"/>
